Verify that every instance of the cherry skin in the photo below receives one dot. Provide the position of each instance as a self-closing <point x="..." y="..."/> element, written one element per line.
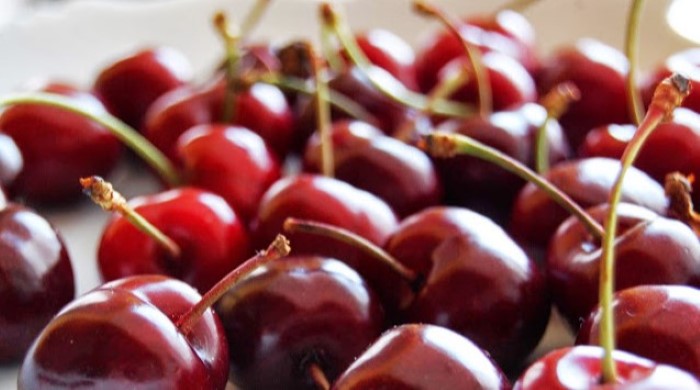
<point x="58" y="147"/>
<point x="390" y="52"/>
<point x="650" y="249"/>
<point x="297" y="312"/>
<point x="131" y="84"/>
<point x="10" y="160"/>
<point x="580" y="368"/>
<point x="474" y="277"/>
<point x="658" y="322"/>
<point x="607" y="141"/>
<point x="535" y="216"/>
<point x="685" y="62"/>
<point x="230" y="161"/>
<point x="212" y="238"/>
<point x="599" y="72"/>
<point x="420" y="356"/>
<point x="36" y="278"/>
<point x="123" y="335"/>
<point x="402" y="175"/>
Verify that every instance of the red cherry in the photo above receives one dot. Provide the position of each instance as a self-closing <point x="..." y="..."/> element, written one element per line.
<point x="36" y="277"/>
<point x="10" y="160"/>
<point x="659" y="322"/>
<point x="390" y="52"/>
<point x="122" y="335"/>
<point x="230" y="161"/>
<point x="580" y="368"/>
<point x="421" y="357"/>
<point x="212" y="239"/>
<point x="295" y="313"/>
<point x="650" y="249"/>
<point x="402" y="175"/>
<point x="607" y="141"/>
<point x="58" y="147"/>
<point x="131" y="84"/>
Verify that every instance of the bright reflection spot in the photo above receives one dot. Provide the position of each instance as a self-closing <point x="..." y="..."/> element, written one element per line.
<point x="271" y="95"/>
<point x="682" y="15"/>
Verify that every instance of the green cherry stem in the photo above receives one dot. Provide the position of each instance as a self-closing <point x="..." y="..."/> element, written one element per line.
<point x="636" y="108"/>
<point x="127" y="135"/>
<point x="668" y="95"/>
<point x="277" y="249"/>
<point x="555" y="102"/>
<point x="473" y="54"/>
<point x="231" y="37"/>
<point x="323" y="110"/>
<point x="252" y="19"/>
<point x="383" y="82"/>
<point x="103" y="194"/>
<point x="447" y="145"/>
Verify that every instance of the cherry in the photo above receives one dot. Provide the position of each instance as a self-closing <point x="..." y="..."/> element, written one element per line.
<point x="295" y="315"/>
<point x="10" y="160"/>
<point x="580" y="368"/>
<point x="124" y="334"/>
<point x="230" y="161"/>
<point x="658" y="322"/>
<point x="402" y="175"/>
<point x="607" y="141"/>
<point x="459" y="253"/>
<point x="58" y="146"/>
<point x="421" y="356"/>
<point x="390" y="52"/>
<point x="208" y="236"/>
<point x="131" y="84"/>
<point x="650" y="249"/>
<point x="36" y="277"/>
<point x="599" y="72"/>
<point x="535" y="217"/>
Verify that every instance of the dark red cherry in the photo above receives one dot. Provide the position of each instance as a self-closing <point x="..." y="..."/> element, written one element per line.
<point x="483" y="186"/>
<point x="296" y="313"/>
<point x="580" y="368"/>
<point x="660" y="322"/>
<point x="390" y="52"/>
<point x="649" y="249"/>
<point x="230" y="161"/>
<point x="607" y="141"/>
<point x="685" y="62"/>
<point x="535" y="216"/>
<point x="507" y="32"/>
<point x="599" y="72"/>
<point x="10" y="160"/>
<point x="124" y="335"/>
<point x="476" y="281"/>
<point x="129" y="85"/>
<point x="422" y="357"/>
<point x="213" y="240"/>
<point x="58" y="147"/>
<point x="36" y="278"/>
<point x="401" y="175"/>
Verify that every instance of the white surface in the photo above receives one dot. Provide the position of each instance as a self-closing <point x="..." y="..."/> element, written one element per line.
<point x="74" y="41"/>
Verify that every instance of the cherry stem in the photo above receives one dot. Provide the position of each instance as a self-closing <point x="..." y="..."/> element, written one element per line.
<point x="319" y="377"/>
<point x="103" y="194"/>
<point x="335" y="61"/>
<point x="446" y="86"/>
<point x="385" y="83"/>
<point x="323" y="110"/>
<point x="126" y="134"/>
<point x="277" y="249"/>
<point x="473" y="54"/>
<point x="447" y="145"/>
<point x="231" y="39"/>
<point x="634" y="98"/>
<point x="668" y="95"/>
<point x="253" y="17"/>
<point x="293" y="225"/>
<point x="556" y="102"/>
<point x="680" y="204"/>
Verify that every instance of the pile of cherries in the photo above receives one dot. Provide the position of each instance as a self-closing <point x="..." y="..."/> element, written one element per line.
<point x="407" y="269"/>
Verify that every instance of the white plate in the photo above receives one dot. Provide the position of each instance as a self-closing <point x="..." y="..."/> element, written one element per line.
<point x="74" y="40"/>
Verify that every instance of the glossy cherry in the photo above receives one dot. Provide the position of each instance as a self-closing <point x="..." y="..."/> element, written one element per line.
<point x="211" y="237"/>
<point x="658" y="322"/>
<point x="58" y="147"/>
<point x="580" y="368"/>
<point x="36" y="277"/>
<point x="402" y="175"/>
<point x="649" y="249"/>
<point x="475" y="280"/>
<point x="296" y="313"/>
<point x="390" y="52"/>
<point x="10" y="160"/>
<point x="230" y="161"/>
<point x="535" y="216"/>
<point x="124" y="335"/>
<point x="599" y="72"/>
<point x="129" y="85"/>
<point x="422" y="357"/>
